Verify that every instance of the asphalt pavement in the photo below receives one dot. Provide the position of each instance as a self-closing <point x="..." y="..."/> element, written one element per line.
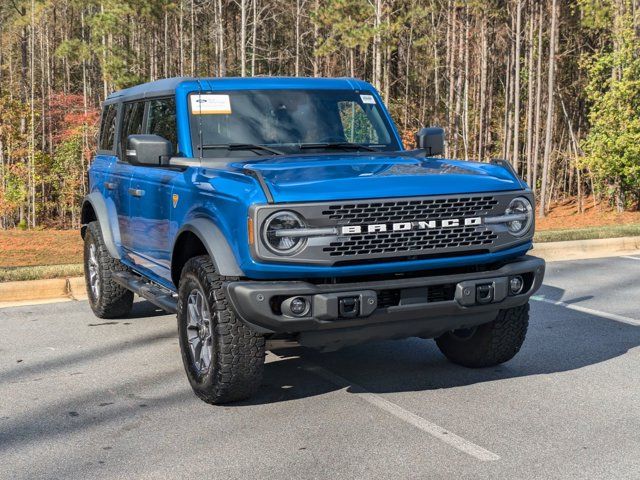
<point x="82" y="397"/>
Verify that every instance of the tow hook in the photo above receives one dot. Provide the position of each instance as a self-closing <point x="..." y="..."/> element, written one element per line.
<point x="349" y="307"/>
<point x="484" y="293"/>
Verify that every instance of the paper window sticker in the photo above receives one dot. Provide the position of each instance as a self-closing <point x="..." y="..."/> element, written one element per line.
<point x="209" y="104"/>
<point x="368" y="99"/>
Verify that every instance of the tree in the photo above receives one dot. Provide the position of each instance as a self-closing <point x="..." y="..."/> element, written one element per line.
<point x="459" y="64"/>
<point x="550" y="107"/>
<point x="612" y="146"/>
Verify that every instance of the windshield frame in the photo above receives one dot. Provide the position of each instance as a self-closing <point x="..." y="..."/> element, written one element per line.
<point x="394" y="144"/>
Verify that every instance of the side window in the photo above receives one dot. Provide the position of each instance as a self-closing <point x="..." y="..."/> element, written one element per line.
<point x="357" y="125"/>
<point x="108" y="127"/>
<point x="161" y="120"/>
<point x="131" y="122"/>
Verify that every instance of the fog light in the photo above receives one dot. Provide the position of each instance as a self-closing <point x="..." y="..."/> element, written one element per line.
<point x="296" y="307"/>
<point x="516" y="284"/>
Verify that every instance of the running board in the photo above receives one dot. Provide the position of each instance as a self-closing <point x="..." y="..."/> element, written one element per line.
<point x="158" y="296"/>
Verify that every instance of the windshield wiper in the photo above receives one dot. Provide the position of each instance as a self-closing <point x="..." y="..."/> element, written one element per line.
<point x="241" y="146"/>
<point x="343" y="145"/>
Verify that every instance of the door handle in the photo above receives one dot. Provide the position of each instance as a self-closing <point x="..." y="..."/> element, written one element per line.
<point x="136" y="192"/>
<point x="110" y="185"/>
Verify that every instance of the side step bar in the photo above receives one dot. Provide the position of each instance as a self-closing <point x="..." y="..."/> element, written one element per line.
<point x="158" y="296"/>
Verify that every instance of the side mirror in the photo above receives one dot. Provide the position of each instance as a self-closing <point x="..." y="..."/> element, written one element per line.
<point x="431" y="139"/>
<point x="150" y="150"/>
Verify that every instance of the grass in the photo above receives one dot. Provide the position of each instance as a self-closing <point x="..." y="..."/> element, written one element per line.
<point x="608" y="231"/>
<point x="12" y="274"/>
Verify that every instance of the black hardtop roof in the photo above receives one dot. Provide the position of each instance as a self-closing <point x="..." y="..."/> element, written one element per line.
<point x="168" y="86"/>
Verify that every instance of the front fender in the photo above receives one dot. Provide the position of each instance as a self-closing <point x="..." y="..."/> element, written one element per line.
<point x="95" y="202"/>
<point x="216" y="244"/>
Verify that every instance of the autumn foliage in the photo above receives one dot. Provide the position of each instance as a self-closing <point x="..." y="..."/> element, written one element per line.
<point x="49" y="167"/>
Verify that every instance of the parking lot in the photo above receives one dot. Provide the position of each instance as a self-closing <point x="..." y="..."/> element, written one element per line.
<point x="82" y="397"/>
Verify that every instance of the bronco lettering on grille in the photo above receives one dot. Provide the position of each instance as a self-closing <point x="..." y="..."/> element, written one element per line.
<point x="405" y="226"/>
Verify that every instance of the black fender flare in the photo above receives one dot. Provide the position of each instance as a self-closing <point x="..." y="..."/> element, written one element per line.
<point x="216" y="244"/>
<point x="99" y="207"/>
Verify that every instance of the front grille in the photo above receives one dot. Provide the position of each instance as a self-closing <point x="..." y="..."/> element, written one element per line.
<point x="415" y="241"/>
<point x="407" y="210"/>
<point x="412" y="241"/>
<point x="375" y="231"/>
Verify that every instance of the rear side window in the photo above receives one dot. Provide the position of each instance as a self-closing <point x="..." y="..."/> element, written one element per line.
<point x="108" y="128"/>
<point x="358" y="126"/>
<point x="131" y="121"/>
<point x="161" y="120"/>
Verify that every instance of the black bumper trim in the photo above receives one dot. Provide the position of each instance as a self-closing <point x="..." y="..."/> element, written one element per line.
<point x="251" y="300"/>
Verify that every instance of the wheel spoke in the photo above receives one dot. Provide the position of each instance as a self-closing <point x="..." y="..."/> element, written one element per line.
<point x="94" y="271"/>
<point x="206" y="354"/>
<point x="198" y="354"/>
<point x="199" y="305"/>
<point x="192" y="315"/>
<point x="203" y="355"/>
<point x="195" y="345"/>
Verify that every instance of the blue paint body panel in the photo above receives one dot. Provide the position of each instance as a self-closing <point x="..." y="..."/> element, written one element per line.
<point x="145" y="227"/>
<point x="361" y="176"/>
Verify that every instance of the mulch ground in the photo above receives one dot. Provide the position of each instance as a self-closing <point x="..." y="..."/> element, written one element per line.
<point x="39" y="247"/>
<point x="565" y="215"/>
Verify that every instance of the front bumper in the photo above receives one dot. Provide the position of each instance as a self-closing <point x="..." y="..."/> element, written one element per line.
<point x="390" y="308"/>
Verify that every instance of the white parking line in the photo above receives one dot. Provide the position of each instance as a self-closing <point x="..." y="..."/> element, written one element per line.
<point x="630" y="257"/>
<point x="426" y="426"/>
<point x="590" y="311"/>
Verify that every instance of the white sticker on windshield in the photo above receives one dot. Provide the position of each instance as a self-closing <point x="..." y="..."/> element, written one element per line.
<point x="209" y="104"/>
<point x="368" y="99"/>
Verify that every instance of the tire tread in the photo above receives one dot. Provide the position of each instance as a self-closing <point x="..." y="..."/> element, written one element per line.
<point x="115" y="301"/>
<point x="492" y="344"/>
<point x="239" y="353"/>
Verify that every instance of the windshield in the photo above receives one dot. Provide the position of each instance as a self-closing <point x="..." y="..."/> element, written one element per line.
<point x="287" y="121"/>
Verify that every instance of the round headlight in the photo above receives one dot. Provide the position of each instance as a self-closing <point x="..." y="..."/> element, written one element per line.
<point x="522" y="207"/>
<point x="283" y="244"/>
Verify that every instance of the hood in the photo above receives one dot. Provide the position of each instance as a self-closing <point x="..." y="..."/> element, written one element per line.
<point x="359" y="176"/>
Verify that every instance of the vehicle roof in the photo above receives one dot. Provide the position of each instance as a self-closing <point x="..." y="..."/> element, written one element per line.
<point x="168" y="86"/>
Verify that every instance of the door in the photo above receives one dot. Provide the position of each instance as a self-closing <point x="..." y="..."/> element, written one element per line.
<point x="104" y="172"/>
<point x="132" y="124"/>
<point x="151" y="196"/>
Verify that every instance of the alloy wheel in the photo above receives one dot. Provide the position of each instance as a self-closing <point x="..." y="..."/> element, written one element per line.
<point x="199" y="331"/>
<point x="94" y="267"/>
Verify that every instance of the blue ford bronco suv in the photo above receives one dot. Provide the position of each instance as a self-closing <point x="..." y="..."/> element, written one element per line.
<point x="272" y="211"/>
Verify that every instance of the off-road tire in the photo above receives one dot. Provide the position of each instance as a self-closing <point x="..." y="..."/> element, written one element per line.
<point x="237" y="353"/>
<point x="113" y="300"/>
<point x="488" y="344"/>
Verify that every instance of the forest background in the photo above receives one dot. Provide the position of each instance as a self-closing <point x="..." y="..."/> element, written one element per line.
<point x="552" y="86"/>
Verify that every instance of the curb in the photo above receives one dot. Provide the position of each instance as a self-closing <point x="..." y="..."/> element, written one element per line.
<point x="60" y="289"/>
<point x="584" y="249"/>
<point x="23" y="292"/>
